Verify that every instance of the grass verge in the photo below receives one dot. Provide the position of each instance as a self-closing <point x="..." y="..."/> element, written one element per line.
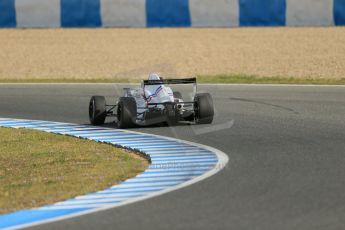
<point x="211" y="79"/>
<point x="39" y="168"/>
<point x="252" y="79"/>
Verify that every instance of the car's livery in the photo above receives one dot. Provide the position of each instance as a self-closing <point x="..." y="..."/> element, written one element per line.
<point x="152" y="103"/>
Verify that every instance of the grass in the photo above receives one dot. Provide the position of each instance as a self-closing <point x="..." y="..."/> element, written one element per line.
<point x="252" y="79"/>
<point x="212" y="79"/>
<point x="39" y="168"/>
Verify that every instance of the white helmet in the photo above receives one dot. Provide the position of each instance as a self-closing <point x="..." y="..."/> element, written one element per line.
<point x="154" y="76"/>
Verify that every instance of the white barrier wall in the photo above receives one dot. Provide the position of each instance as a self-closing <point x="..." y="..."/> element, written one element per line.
<point x="123" y="13"/>
<point x="309" y="13"/>
<point x="170" y="13"/>
<point x="215" y="13"/>
<point x="38" y="13"/>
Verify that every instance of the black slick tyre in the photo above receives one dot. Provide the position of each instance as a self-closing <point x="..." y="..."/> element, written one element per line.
<point x="126" y="112"/>
<point x="203" y="108"/>
<point x="97" y="110"/>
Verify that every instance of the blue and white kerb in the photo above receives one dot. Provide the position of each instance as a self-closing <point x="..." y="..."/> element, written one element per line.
<point x="174" y="164"/>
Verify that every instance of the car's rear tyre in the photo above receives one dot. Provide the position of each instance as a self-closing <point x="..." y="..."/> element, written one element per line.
<point x="126" y="112"/>
<point x="203" y="108"/>
<point x="172" y="120"/>
<point x="97" y="110"/>
<point x="177" y="95"/>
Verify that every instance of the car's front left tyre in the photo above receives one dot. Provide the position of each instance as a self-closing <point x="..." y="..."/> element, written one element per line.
<point x="97" y="110"/>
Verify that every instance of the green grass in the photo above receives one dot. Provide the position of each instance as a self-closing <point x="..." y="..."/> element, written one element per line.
<point x="251" y="79"/>
<point x="39" y="168"/>
<point x="221" y="78"/>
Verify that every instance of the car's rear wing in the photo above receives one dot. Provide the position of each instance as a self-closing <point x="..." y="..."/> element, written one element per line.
<point x="171" y="81"/>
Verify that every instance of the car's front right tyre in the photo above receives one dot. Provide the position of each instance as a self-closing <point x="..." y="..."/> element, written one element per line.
<point x="203" y="108"/>
<point x="126" y="112"/>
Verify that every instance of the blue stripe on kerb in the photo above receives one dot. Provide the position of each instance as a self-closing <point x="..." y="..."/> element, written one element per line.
<point x="106" y="135"/>
<point x="180" y="171"/>
<point x="129" y="192"/>
<point x="141" y="146"/>
<point x="174" y="158"/>
<point x="157" y="152"/>
<point x="177" y="151"/>
<point x="29" y="216"/>
<point x="173" y="163"/>
<point x="180" y="156"/>
<point x="114" y="137"/>
<point x="171" y="175"/>
<point x="95" y="196"/>
<point x="21" y="123"/>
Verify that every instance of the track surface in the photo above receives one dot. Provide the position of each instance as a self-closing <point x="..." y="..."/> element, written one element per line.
<point x="286" y="147"/>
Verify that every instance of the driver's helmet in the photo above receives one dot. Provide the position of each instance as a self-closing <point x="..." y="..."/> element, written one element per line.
<point x="154" y="76"/>
<point x="157" y="93"/>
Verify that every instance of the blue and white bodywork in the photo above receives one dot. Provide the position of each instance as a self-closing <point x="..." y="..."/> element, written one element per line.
<point x="155" y="102"/>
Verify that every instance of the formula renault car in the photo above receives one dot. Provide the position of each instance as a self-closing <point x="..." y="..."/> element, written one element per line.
<point x="153" y="103"/>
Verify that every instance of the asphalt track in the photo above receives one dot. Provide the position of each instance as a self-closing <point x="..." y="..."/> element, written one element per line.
<point x="286" y="146"/>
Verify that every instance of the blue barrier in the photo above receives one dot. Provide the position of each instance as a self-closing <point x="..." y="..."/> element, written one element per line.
<point x="7" y="13"/>
<point x="262" y="13"/>
<point x="80" y="13"/>
<point x="167" y="13"/>
<point x="170" y="13"/>
<point x="339" y="12"/>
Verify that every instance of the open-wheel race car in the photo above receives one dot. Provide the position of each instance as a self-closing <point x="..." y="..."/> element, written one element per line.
<point x="155" y="102"/>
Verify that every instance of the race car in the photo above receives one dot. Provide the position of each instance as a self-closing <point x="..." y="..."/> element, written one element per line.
<point x="154" y="102"/>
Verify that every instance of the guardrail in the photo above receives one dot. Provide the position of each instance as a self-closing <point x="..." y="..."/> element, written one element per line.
<point x="170" y="13"/>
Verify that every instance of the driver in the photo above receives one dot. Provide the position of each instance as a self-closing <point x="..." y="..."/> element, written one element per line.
<point x="157" y="93"/>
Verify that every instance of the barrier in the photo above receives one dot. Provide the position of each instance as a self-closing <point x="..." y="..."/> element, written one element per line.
<point x="170" y="13"/>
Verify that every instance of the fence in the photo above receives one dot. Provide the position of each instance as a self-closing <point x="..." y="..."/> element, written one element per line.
<point x="170" y="13"/>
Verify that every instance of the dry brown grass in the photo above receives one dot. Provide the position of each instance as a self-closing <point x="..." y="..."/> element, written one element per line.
<point x="39" y="168"/>
<point x="105" y="53"/>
